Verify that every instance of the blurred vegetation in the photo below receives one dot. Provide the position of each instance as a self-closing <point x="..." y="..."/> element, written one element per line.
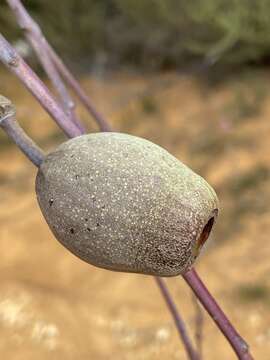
<point x="149" y="104"/>
<point x="154" y="33"/>
<point x="253" y="292"/>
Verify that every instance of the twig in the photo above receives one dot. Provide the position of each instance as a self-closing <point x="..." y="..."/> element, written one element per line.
<point x="198" y="325"/>
<point x="179" y="322"/>
<point x="9" y="124"/>
<point x="15" y="63"/>
<point x="238" y="344"/>
<point x="50" y="60"/>
<point x="75" y="85"/>
<point x="38" y="42"/>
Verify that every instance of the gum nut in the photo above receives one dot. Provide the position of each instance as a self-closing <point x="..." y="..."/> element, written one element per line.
<point x="122" y="203"/>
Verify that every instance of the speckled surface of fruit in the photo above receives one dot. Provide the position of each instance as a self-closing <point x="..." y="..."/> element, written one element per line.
<point x="122" y="203"/>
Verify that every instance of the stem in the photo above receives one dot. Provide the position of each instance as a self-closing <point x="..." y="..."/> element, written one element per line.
<point x="9" y="124"/>
<point x="50" y="60"/>
<point x="179" y="322"/>
<point x="38" y="42"/>
<point x="15" y="63"/>
<point x="198" y="325"/>
<point x="75" y="85"/>
<point x="239" y="346"/>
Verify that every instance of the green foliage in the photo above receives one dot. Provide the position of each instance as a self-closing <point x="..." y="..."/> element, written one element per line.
<point x="153" y="33"/>
<point x="253" y="292"/>
<point x="7" y="22"/>
<point x="250" y="180"/>
<point x="233" y="31"/>
<point x="74" y="27"/>
<point x="248" y="195"/>
<point x="149" y="105"/>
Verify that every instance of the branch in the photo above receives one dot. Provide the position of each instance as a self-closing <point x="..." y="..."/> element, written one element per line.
<point x="9" y="124"/>
<point x="239" y="346"/>
<point x="10" y="58"/>
<point x="51" y="62"/>
<point x="75" y="85"/>
<point x="198" y="325"/>
<point x="38" y="42"/>
<point x="179" y="322"/>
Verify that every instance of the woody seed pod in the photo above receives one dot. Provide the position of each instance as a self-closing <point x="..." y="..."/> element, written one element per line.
<point x="123" y="203"/>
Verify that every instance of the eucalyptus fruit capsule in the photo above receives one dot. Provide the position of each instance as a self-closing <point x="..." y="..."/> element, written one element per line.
<point x="122" y="203"/>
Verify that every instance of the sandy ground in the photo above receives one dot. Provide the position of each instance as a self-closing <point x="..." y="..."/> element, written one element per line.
<point x="54" y="306"/>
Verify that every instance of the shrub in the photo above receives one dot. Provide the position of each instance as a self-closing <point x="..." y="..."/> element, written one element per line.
<point x="153" y="33"/>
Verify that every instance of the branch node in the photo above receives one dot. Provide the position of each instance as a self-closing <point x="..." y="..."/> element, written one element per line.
<point x="244" y="346"/>
<point x="10" y="57"/>
<point x="7" y="109"/>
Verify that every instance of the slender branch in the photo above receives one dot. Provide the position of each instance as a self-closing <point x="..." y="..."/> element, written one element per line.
<point x="238" y="344"/>
<point x="179" y="322"/>
<point x="15" y="63"/>
<point x="198" y="325"/>
<point x="38" y="42"/>
<point x="9" y="124"/>
<point x="75" y="85"/>
<point x="50" y="60"/>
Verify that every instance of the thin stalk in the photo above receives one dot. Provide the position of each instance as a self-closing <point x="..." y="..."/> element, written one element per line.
<point x="50" y="60"/>
<point x="9" y="124"/>
<point x="238" y="344"/>
<point x="198" y="325"/>
<point x="38" y="42"/>
<point x="16" y="64"/>
<point x="179" y="322"/>
<point x="78" y="90"/>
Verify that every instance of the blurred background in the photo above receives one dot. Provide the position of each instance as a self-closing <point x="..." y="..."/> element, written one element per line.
<point x="193" y="77"/>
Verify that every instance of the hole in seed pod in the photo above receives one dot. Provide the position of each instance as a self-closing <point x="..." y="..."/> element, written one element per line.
<point x="86" y="219"/>
<point x="72" y="231"/>
<point x="88" y="229"/>
<point x="51" y="202"/>
<point x="98" y="224"/>
<point x="206" y="232"/>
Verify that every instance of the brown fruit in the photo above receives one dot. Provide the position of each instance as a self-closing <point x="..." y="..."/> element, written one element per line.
<point x="123" y="203"/>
